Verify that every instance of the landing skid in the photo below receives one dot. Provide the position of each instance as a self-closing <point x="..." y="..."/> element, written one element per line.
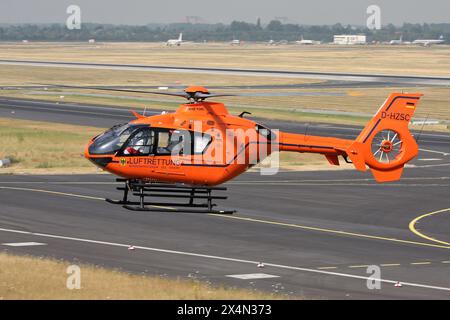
<point x="143" y="190"/>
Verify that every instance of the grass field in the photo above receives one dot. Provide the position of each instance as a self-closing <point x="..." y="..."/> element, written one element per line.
<point x="405" y="60"/>
<point x="44" y="147"/>
<point x="47" y="279"/>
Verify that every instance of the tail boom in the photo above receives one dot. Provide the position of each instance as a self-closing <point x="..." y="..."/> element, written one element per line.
<point x="331" y="148"/>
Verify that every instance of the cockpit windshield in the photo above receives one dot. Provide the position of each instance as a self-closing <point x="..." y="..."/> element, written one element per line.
<point x="112" y="140"/>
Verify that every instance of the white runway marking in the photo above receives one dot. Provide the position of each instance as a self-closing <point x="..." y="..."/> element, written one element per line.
<point x="428" y="165"/>
<point x="434" y="141"/>
<point x="434" y="151"/>
<point x="53" y="192"/>
<point x="430" y="159"/>
<point x="24" y="244"/>
<point x="72" y="111"/>
<point x="79" y="106"/>
<point x="206" y="256"/>
<point x="252" y="276"/>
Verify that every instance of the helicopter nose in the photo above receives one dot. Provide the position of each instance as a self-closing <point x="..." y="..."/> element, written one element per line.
<point x="86" y="153"/>
<point x="99" y="161"/>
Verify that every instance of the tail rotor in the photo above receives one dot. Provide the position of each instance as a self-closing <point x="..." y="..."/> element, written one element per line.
<point x="387" y="146"/>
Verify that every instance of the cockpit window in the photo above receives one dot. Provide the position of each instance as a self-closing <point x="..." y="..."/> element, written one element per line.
<point x="113" y="139"/>
<point x="141" y="143"/>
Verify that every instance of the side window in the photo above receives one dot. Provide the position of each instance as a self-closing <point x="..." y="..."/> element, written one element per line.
<point x="174" y="142"/>
<point x="163" y="142"/>
<point x="201" y="141"/>
<point x="181" y="142"/>
<point x="141" y="143"/>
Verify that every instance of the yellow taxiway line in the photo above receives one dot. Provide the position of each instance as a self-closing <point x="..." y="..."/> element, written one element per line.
<point x="345" y="233"/>
<point x="412" y="227"/>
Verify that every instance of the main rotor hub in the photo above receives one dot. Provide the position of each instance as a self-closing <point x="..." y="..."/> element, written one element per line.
<point x="196" y="93"/>
<point x="194" y="89"/>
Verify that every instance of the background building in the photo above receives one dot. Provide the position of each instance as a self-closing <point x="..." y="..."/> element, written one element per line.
<point x="350" y="39"/>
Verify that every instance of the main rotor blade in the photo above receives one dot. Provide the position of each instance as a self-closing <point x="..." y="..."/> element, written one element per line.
<point x="200" y="95"/>
<point x="290" y="94"/>
<point x="176" y="94"/>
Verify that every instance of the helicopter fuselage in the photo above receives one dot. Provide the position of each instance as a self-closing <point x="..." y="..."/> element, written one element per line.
<point x="202" y="144"/>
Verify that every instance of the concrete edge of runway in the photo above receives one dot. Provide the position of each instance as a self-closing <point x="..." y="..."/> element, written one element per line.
<point x="399" y="79"/>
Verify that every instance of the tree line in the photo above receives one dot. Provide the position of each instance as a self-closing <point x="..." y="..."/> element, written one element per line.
<point x="274" y="30"/>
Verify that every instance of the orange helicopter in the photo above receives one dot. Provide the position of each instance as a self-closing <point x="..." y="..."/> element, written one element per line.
<point x="186" y="154"/>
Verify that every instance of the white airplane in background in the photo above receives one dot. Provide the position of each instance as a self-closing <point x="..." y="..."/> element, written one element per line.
<point x="429" y="42"/>
<point x="399" y="42"/>
<point x="276" y="43"/>
<point x="236" y="42"/>
<point x="175" y="42"/>
<point x="306" y="42"/>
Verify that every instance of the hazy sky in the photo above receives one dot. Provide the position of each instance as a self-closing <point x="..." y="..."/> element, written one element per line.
<point x="296" y="11"/>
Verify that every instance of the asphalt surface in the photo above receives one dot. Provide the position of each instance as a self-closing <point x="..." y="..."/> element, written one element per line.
<point x="317" y="232"/>
<point x="352" y="77"/>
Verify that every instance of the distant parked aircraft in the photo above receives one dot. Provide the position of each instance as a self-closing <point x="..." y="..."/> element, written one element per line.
<point x="398" y="42"/>
<point x="236" y="42"/>
<point x="175" y="42"/>
<point x="429" y="42"/>
<point x="277" y="43"/>
<point x="306" y="42"/>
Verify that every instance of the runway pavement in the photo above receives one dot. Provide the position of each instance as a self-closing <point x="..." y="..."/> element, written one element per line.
<point x="351" y="77"/>
<point x="315" y="232"/>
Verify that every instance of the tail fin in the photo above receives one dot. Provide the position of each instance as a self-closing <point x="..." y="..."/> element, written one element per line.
<point x="386" y="144"/>
<point x="180" y="37"/>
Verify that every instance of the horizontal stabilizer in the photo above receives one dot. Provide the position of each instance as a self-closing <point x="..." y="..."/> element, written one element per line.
<point x="332" y="159"/>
